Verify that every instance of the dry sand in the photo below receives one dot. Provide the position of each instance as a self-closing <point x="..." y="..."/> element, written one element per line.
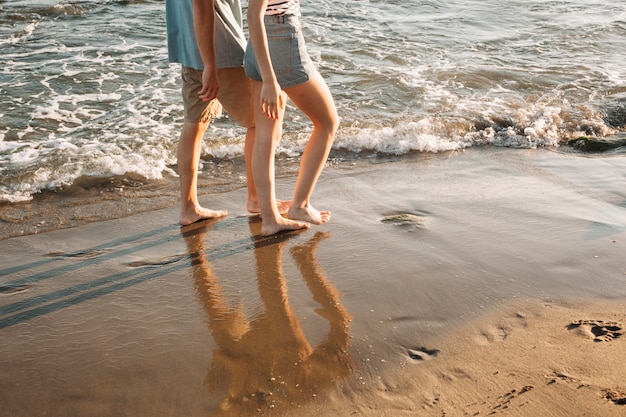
<point x="486" y="282"/>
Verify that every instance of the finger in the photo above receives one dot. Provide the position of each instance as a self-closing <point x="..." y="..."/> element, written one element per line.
<point x="213" y="94"/>
<point x="209" y="94"/>
<point x="206" y="95"/>
<point x="267" y="109"/>
<point x="202" y="93"/>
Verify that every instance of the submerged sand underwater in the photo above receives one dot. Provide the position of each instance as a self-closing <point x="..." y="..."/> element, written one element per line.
<point x="484" y="282"/>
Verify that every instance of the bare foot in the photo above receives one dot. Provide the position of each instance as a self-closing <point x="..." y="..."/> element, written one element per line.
<point x="308" y="214"/>
<point x="281" y="205"/>
<point x="195" y="214"/>
<point x="282" y="225"/>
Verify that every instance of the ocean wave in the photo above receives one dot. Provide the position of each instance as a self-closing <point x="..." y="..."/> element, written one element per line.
<point x="56" y="163"/>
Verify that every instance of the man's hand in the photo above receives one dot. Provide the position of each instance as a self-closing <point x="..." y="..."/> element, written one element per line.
<point x="210" y="84"/>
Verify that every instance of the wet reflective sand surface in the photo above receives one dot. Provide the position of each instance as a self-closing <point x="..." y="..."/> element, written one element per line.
<point x="472" y="282"/>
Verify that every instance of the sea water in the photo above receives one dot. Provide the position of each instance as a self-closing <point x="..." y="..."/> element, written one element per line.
<point x="86" y="91"/>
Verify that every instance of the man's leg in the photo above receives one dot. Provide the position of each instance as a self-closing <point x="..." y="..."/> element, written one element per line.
<point x="189" y="148"/>
<point x="197" y="114"/>
<point x="253" y="201"/>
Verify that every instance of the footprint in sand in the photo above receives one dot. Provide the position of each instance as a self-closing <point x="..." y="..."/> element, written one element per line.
<point x="597" y="330"/>
<point x="422" y="354"/>
<point x="493" y="335"/>
<point x="616" y="397"/>
<point x="505" y="401"/>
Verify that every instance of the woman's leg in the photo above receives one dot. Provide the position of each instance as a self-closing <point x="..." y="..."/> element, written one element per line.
<point x="268" y="134"/>
<point x="315" y="100"/>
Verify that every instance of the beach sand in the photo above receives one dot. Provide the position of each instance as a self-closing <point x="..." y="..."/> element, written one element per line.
<point x="483" y="282"/>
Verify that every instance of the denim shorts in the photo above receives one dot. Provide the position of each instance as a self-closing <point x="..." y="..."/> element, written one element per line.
<point x="290" y="59"/>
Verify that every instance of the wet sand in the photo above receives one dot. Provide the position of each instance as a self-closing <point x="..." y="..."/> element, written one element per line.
<point x="484" y="282"/>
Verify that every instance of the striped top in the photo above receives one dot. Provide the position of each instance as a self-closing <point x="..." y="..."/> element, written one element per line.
<point x="282" y="7"/>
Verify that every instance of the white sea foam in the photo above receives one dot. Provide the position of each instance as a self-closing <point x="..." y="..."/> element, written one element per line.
<point x="399" y="140"/>
<point x="21" y="34"/>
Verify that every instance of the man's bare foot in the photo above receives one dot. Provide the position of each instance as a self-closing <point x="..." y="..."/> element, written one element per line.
<point x="282" y="206"/>
<point x="195" y="214"/>
<point x="282" y="225"/>
<point x="308" y="214"/>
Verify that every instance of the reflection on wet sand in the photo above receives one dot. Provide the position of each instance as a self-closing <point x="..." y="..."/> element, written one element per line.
<point x="267" y="363"/>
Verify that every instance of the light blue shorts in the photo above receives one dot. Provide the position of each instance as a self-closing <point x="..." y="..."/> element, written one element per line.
<point x="290" y="59"/>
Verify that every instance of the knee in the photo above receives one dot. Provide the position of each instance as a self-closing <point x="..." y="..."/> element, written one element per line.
<point x="330" y="125"/>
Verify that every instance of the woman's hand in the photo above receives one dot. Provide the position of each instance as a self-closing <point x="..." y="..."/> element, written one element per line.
<point x="272" y="100"/>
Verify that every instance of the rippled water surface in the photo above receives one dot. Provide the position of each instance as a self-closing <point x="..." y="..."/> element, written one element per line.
<point x="86" y="91"/>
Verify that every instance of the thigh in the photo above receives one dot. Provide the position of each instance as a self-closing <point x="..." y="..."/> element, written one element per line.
<point x="235" y="94"/>
<point x="315" y="100"/>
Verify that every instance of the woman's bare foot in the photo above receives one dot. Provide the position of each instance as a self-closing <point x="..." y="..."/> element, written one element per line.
<point x="308" y="214"/>
<point x="281" y="224"/>
<point x="198" y="213"/>
<point x="282" y="206"/>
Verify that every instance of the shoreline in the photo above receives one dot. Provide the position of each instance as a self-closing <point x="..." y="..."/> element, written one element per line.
<point x="91" y="200"/>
